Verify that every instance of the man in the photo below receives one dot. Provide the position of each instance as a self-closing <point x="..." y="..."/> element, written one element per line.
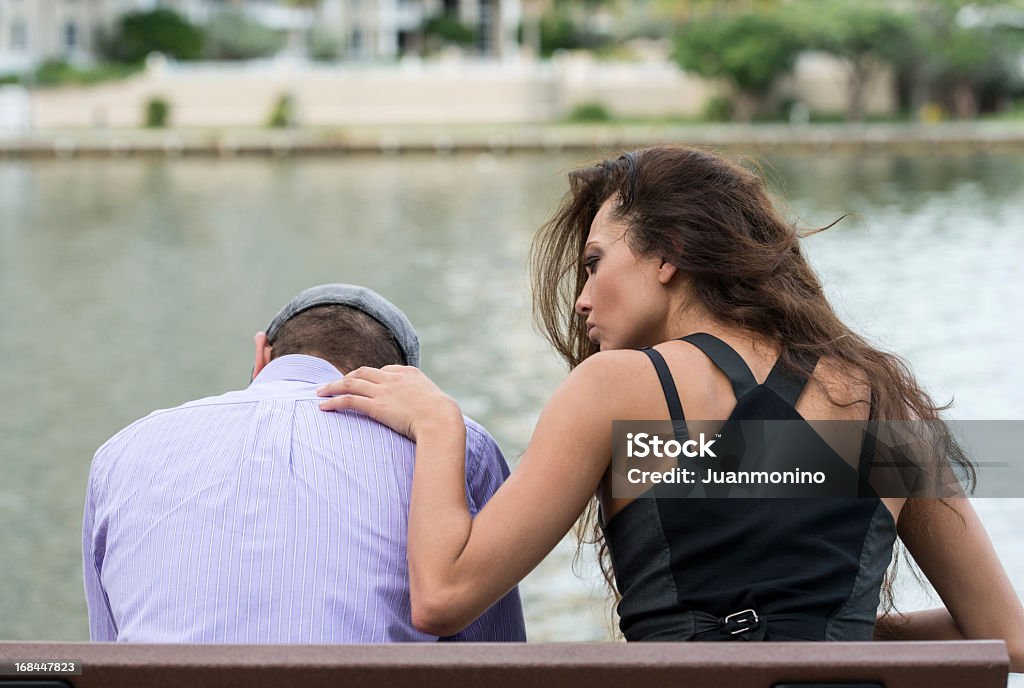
<point x="254" y="517"/>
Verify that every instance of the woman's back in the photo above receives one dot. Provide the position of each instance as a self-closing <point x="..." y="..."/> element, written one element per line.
<point x="720" y="569"/>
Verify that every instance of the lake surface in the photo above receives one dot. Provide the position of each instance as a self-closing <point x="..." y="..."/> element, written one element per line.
<point x="129" y="285"/>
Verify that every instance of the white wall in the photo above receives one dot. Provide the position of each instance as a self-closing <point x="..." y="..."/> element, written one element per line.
<point x="446" y="92"/>
<point x="823" y="84"/>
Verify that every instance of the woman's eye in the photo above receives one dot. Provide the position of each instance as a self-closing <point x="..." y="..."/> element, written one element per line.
<point x="590" y="264"/>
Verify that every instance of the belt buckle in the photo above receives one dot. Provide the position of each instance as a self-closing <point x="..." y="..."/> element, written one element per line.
<point x="748" y="619"/>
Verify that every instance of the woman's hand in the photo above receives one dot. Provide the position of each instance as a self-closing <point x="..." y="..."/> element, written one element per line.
<point x="949" y="543"/>
<point x="401" y="397"/>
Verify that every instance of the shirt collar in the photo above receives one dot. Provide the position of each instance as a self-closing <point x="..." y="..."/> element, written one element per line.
<point x="298" y="368"/>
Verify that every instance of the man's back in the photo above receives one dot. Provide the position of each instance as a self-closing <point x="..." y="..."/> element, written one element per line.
<point x="256" y="517"/>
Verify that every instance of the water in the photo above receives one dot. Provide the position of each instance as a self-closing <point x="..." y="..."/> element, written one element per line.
<point x="130" y="285"/>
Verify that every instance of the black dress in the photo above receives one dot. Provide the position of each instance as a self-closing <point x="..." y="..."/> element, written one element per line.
<point x="750" y="569"/>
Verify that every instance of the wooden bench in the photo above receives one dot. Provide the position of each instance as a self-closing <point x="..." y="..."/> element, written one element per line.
<point x="975" y="664"/>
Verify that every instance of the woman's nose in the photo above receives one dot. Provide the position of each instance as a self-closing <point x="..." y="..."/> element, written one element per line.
<point x="583" y="306"/>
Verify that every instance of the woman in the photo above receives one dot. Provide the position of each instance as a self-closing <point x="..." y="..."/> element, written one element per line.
<point x="662" y="244"/>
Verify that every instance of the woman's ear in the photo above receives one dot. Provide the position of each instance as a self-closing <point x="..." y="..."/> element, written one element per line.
<point x="666" y="271"/>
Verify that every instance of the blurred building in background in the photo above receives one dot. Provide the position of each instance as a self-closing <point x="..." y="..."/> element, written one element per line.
<point x="34" y="31"/>
<point x="371" y="29"/>
<point x="258" y="63"/>
<point x="377" y="29"/>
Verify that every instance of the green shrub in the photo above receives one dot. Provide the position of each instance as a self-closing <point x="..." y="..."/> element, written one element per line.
<point x="717" y="109"/>
<point x="590" y="112"/>
<point x="558" y="32"/>
<point x="60" y="73"/>
<point x="140" y="33"/>
<point x="231" y="35"/>
<point x="323" y="45"/>
<point x="158" y="111"/>
<point x="54" y="72"/>
<point x="283" y="114"/>
<point x="448" y="29"/>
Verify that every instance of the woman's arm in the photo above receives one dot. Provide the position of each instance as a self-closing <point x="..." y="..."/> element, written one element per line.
<point x="459" y="566"/>
<point x="929" y="624"/>
<point x="949" y="543"/>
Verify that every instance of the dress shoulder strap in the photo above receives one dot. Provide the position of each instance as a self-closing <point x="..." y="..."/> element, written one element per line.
<point x="787" y="385"/>
<point x="727" y="360"/>
<point x="668" y="388"/>
<point x="668" y="385"/>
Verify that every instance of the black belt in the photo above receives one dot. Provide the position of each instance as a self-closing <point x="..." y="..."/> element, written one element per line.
<point x="749" y="625"/>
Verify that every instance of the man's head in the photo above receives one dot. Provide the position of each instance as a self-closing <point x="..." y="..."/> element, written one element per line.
<point x="347" y="325"/>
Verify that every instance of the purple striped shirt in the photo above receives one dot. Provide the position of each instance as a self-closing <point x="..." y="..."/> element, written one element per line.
<point x="255" y="517"/>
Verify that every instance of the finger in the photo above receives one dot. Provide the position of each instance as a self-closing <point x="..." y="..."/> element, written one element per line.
<point x="362" y="388"/>
<point x="369" y="373"/>
<point x="398" y="368"/>
<point x="349" y="402"/>
<point x="330" y="389"/>
<point x="348" y="385"/>
<point x="374" y="375"/>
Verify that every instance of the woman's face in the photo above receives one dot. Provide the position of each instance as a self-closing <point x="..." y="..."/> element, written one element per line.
<point x="624" y="301"/>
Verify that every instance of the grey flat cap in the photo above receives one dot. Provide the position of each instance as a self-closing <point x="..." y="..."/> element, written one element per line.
<point x="360" y="298"/>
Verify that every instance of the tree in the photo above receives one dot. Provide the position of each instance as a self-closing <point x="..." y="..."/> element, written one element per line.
<point x="558" y="31"/>
<point x="864" y="36"/>
<point x="750" y="50"/>
<point x="324" y="45"/>
<point x="447" y="29"/>
<point x="231" y="35"/>
<point x="564" y="25"/>
<point x="974" y="60"/>
<point x="957" y="62"/>
<point x="140" y="33"/>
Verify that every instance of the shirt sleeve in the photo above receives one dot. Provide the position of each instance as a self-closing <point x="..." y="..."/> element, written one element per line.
<point x="486" y="470"/>
<point x="101" y="621"/>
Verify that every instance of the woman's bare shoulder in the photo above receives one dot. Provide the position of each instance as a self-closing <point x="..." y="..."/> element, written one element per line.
<point x="624" y="365"/>
<point x="609" y="367"/>
<point x="617" y="381"/>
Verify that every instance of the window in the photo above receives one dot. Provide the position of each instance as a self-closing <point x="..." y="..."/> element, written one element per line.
<point x="485" y="40"/>
<point x="70" y="36"/>
<point x="19" y="35"/>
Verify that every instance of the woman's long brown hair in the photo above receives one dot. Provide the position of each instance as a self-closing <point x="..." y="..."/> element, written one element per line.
<point x="716" y="222"/>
